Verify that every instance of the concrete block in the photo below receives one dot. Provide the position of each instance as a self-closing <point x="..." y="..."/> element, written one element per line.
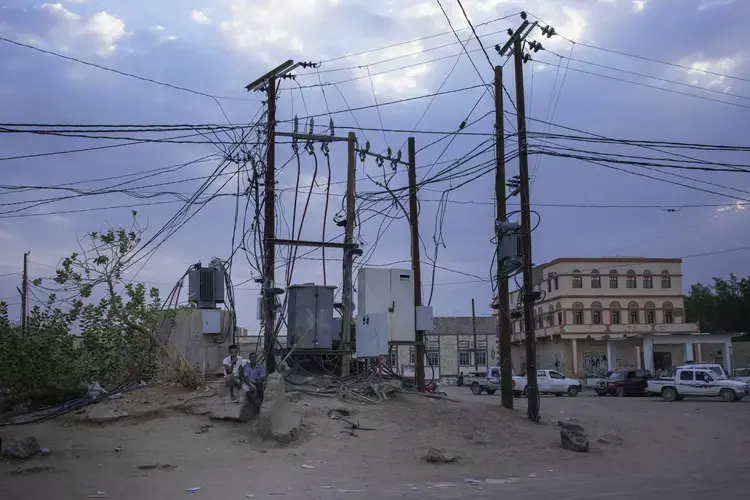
<point x="282" y="425"/>
<point x="225" y="409"/>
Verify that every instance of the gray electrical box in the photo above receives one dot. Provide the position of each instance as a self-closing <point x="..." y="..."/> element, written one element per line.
<point x="310" y="322"/>
<point x="206" y="286"/>
<point x="509" y="248"/>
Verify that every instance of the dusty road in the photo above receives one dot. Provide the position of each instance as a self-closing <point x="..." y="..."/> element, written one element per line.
<point x="639" y="446"/>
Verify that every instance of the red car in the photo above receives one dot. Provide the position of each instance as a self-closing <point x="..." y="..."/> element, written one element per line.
<point x="624" y="383"/>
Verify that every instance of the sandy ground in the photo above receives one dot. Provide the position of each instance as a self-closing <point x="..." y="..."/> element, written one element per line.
<point x="160" y="451"/>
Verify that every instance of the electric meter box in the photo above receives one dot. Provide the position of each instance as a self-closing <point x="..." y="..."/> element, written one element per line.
<point x="390" y="291"/>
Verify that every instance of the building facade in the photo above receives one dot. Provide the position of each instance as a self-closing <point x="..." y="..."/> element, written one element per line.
<point x="451" y="347"/>
<point x="604" y="313"/>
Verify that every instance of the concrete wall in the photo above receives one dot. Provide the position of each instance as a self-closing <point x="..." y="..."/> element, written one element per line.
<point x="740" y="353"/>
<point x="185" y="335"/>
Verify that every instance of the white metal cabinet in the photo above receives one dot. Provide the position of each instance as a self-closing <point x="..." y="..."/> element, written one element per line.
<point x="389" y="291"/>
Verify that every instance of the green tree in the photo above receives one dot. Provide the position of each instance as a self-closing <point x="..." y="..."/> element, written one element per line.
<point x="720" y="307"/>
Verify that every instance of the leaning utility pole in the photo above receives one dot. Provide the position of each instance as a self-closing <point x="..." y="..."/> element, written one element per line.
<point x="474" y="331"/>
<point x="503" y="294"/>
<point x="528" y="285"/>
<point x="25" y="291"/>
<point x="415" y="262"/>
<point x="347" y="291"/>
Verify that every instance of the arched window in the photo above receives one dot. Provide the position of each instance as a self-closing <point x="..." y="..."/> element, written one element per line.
<point x="633" y="313"/>
<point x="650" y="313"/>
<point x="614" y="312"/>
<point x="613" y="278"/>
<point x="668" y="312"/>
<point x="540" y="318"/>
<point x="556" y="282"/>
<point x="577" y="313"/>
<point x="551" y="315"/>
<point x="630" y="279"/>
<point x="549" y="281"/>
<point x="596" y="313"/>
<point x="666" y="280"/>
<point x="596" y="279"/>
<point x="648" y="279"/>
<point x="577" y="279"/>
<point x="560" y="316"/>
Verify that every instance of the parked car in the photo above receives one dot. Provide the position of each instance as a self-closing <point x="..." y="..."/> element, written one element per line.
<point x="742" y="375"/>
<point x="715" y="368"/>
<point x="480" y="382"/>
<point x="552" y="382"/>
<point x="624" y="383"/>
<point x="698" y="382"/>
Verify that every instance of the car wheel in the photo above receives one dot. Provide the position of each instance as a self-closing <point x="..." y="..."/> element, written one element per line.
<point x="572" y="391"/>
<point x="491" y="391"/>
<point x="727" y="395"/>
<point x="669" y="394"/>
<point x="476" y="389"/>
<point x="620" y="392"/>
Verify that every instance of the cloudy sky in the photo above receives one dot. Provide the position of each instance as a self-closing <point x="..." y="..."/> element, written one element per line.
<point x="217" y="47"/>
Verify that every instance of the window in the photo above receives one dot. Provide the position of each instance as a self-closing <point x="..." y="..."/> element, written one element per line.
<point x="412" y="356"/>
<point x="433" y="345"/>
<point x="668" y="313"/>
<point x="630" y="279"/>
<point x="556" y="282"/>
<point x="481" y="344"/>
<point x="540" y="318"/>
<point x="556" y="375"/>
<point x="686" y="375"/>
<point x="577" y="313"/>
<point x="614" y="311"/>
<point x="703" y="377"/>
<point x="481" y="358"/>
<point x="392" y="360"/>
<point x="650" y="313"/>
<point x="633" y="313"/>
<point x="560" y="315"/>
<point x="551" y="315"/>
<point x="613" y="279"/>
<point x="596" y="313"/>
<point x="464" y="344"/>
<point x="577" y="279"/>
<point x="549" y="282"/>
<point x="648" y="280"/>
<point x="464" y="358"/>
<point x="596" y="279"/>
<point x="666" y="280"/>
<point x="433" y="358"/>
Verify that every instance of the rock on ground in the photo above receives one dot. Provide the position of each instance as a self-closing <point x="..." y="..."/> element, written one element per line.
<point x="574" y="441"/>
<point x="23" y="449"/>
<point x="225" y="409"/>
<point x="440" y="456"/>
<point x="282" y="424"/>
<point x="570" y="426"/>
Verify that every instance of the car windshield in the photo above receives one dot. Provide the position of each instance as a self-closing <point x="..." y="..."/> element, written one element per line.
<point x="618" y="375"/>
<point x="718" y="372"/>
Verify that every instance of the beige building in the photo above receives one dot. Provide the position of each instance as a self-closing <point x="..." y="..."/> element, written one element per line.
<point x="605" y="313"/>
<point x="451" y="347"/>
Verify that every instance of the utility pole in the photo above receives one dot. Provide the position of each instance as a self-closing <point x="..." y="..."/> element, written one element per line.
<point x="346" y="293"/>
<point x="528" y="285"/>
<point x="25" y="292"/>
<point x="474" y="331"/>
<point x="415" y="262"/>
<point x="503" y="294"/>
<point x="269" y="230"/>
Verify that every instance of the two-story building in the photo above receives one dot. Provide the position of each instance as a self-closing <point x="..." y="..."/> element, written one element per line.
<point x="604" y="313"/>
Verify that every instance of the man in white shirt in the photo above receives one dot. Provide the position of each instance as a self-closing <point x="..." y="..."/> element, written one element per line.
<point x="233" y="371"/>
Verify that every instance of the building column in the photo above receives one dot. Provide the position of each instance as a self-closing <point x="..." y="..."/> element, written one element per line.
<point x="689" y="352"/>
<point x="728" y="357"/>
<point x="648" y="354"/>
<point x="699" y="352"/>
<point x="610" y="356"/>
<point x="638" y="363"/>
<point x="574" y="343"/>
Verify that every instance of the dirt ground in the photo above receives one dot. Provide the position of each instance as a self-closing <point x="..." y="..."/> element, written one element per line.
<point x="162" y="449"/>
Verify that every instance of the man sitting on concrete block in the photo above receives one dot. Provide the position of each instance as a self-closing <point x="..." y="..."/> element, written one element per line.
<point x="253" y="382"/>
<point x="232" y="371"/>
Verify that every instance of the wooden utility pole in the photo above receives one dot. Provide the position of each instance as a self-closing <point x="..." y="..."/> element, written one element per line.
<point x="474" y="331"/>
<point x="25" y="291"/>
<point x="415" y="262"/>
<point x="347" y="291"/>
<point x="503" y="294"/>
<point x="528" y="285"/>
<point x="269" y="231"/>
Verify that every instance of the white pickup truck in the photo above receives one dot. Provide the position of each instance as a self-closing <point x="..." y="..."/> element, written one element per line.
<point x="480" y="382"/>
<point x="551" y="382"/>
<point x="694" y="381"/>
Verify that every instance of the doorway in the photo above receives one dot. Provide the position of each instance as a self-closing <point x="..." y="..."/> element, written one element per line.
<point x="662" y="361"/>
